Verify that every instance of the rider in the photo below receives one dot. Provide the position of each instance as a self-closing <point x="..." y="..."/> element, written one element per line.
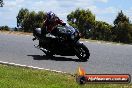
<point x="50" y="23"/>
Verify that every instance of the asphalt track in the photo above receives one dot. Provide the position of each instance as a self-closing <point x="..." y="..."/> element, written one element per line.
<point x="106" y="58"/>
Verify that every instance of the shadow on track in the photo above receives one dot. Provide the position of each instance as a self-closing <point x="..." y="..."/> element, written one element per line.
<point x="44" y="57"/>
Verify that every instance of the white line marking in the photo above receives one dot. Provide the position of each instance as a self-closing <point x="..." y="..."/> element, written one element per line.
<point x="20" y="65"/>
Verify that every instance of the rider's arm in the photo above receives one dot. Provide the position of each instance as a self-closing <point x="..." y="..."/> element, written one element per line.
<point x="60" y="22"/>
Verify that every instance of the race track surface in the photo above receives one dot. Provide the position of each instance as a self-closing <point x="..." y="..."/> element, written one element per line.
<point x="105" y="58"/>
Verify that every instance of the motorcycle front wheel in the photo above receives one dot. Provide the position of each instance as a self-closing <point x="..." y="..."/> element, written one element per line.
<point x="82" y="52"/>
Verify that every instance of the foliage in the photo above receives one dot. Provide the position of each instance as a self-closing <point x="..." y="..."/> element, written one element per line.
<point x="1" y="3"/>
<point x="121" y="18"/>
<point x="122" y="29"/>
<point x="81" y="19"/>
<point x="102" y="31"/>
<point x="6" y="28"/>
<point x="85" y="21"/>
<point x="27" y="21"/>
<point x="20" y="17"/>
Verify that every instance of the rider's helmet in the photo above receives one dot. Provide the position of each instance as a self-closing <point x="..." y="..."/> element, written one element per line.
<point x="50" y="16"/>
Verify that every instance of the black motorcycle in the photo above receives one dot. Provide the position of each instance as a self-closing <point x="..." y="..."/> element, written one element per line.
<point x="64" y="41"/>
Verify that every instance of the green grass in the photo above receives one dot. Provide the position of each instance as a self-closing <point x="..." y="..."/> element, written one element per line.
<point x="19" y="77"/>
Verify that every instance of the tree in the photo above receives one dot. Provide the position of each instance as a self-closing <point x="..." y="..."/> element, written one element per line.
<point x="121" y="18"/>
<point x="122" y="32"/>
<point x="122" y="28"/>
<point x="102" y="31"/>
<point x="1" y="3"/>
<point x="84" y="20"/>
<point x="4" y="28"/>
<point x="21" y="16"/>
<point x="33" y="20"/>
<point x="39" y="19"/>
<point x="29" y="22"/>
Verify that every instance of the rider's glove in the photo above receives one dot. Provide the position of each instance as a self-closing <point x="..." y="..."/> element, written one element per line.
<point x="63" y="24"/>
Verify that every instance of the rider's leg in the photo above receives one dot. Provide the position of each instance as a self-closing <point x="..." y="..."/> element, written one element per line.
<point x="42" y="37"/>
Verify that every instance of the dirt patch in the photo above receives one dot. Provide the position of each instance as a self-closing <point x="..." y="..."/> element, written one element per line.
<point x="16" y="32"/>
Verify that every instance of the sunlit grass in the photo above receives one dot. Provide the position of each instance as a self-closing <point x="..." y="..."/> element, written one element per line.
<point x="19" y="77"/>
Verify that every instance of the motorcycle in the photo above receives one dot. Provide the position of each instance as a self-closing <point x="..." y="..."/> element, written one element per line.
<point x="63" y="41"/>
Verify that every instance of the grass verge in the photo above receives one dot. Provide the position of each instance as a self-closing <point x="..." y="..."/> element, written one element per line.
<point x="20" y="77"/>
<point x="105" y="42"/>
